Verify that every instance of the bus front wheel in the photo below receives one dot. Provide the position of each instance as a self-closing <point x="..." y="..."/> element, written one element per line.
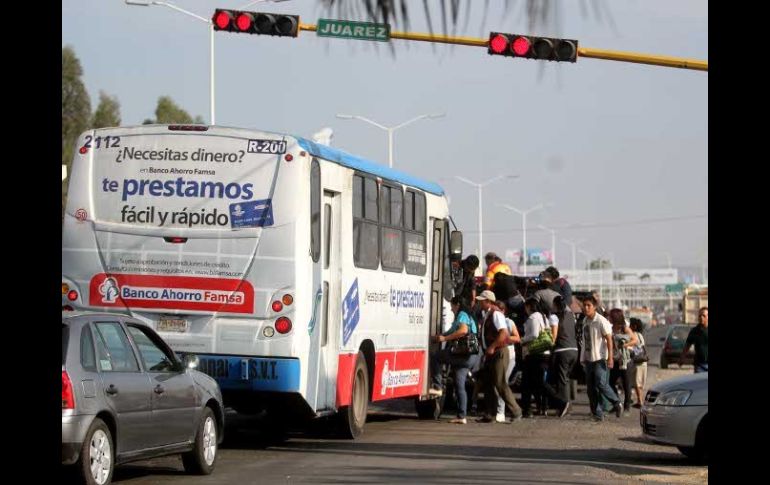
<point x="353" y="417"/>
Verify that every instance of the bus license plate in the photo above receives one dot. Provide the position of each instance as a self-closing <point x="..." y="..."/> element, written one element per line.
<point x="168" y="324"/>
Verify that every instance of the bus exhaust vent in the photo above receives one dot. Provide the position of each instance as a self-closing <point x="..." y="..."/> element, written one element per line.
<point x="188" y="128"/>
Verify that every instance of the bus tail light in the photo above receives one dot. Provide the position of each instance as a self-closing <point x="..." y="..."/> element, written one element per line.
<point x="283" y="325"/>
<point x="67" y="308"/>
<point x="287" y="299"/>
<point x="64" y="288"/>
<point x="72" y="295"/>
<point x="277" y="306"/>
<point x="67" y="394"/>
<point x="175" y="240"/>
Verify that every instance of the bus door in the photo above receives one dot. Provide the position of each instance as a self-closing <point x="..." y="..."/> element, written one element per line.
<point x="324" y="339"/>
<point x="437" y="268"/>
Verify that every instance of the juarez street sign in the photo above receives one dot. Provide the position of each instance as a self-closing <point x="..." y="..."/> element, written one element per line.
<point x="347" y="29"/>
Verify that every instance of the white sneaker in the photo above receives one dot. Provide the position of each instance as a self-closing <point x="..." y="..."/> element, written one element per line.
<point x="435" y="392"/>
<point x="500" y="418"/>
<point x="458" y="421"/>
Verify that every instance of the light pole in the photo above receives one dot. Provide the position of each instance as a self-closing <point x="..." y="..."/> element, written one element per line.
<point x="553" y="242"/>
<point x="524" y="226"/>
<point x="574" y="244"/>
<point x="148" y="3"/>
<point x="390" y="129"/>
<point x="481" y="186"/>
<point x="589" y="257"/>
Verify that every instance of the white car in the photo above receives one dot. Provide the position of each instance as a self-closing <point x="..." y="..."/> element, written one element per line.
<point x="675" y="412"/>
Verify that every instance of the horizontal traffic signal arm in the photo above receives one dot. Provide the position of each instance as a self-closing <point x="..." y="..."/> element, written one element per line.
<point x="609" y="55"/>
<point x="289" y="25"/>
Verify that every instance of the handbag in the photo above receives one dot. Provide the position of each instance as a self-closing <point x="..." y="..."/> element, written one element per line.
<point x="466" y="345"/>
<point x="542" y="343"/>
<point x="640" y="355"/>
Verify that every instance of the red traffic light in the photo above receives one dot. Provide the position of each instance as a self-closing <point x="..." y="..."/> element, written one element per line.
<point x="498" y="44"/>
<point x="222" y="19"/>
<point x="243" y="21"/>
<point x="530" y="47"/>
<point x="520" y="46"/>
<point x="256" y="23"/>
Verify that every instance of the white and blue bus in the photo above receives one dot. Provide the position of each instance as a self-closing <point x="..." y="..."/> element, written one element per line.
<point x="305" y="279"/>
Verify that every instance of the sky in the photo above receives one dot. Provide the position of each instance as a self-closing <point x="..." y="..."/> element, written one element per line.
<point x="620" y="149"/>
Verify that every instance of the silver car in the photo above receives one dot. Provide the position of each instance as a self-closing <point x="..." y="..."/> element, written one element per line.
<point x="675" y="412"/>
<point x="126" y="396"/>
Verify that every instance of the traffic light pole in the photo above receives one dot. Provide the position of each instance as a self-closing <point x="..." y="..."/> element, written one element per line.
<point x="609" y="55"/>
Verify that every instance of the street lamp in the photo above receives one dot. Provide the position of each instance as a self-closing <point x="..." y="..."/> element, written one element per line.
<point x="589" y="257"/>
<point x="390" y="129"/>
<point x="524" y="226"/>
<point x="481" y="186"/>
<point x="553" y="242"/>
<point x="148" y="3"/>
<point x="574" y="244"/>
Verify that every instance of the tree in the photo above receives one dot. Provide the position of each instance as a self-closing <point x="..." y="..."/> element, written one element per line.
<point x="75" y="109"/>
<point x="167" y="111"/>
<point x="107" y="113"/>
<point x="75" y="104"/>
<point x="540" y="14"/>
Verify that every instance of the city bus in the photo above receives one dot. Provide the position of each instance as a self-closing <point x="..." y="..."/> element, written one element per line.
<point x="306" y="280"/>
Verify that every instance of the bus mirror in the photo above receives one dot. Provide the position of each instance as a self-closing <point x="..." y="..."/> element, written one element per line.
<point x="456" y="243"/>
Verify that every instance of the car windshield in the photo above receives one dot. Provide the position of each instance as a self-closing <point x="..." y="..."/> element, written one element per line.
<point x="679" y="333"/>
<point x="65" y="338"/>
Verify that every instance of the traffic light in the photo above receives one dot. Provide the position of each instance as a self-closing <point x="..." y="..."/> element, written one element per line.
<point x="530" y="47"/>
<point x="256" y="23"/>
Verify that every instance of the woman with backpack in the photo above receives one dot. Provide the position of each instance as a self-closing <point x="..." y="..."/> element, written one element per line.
<point x="461" y="364"/>
<point x="623" y="341"/>
<point x="534" y="348"/>
<point x="639" y="357"/>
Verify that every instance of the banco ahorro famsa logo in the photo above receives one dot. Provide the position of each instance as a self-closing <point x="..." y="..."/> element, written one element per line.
<point x="172" y="292"/>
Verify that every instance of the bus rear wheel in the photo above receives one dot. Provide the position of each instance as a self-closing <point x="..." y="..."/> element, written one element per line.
<point x="353" y="417"/>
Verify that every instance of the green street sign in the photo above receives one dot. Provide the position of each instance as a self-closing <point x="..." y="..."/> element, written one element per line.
<point x="346" y="29"/>
<point x="676" y="288"/>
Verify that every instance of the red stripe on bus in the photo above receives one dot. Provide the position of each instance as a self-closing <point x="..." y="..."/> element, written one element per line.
<point x="345" y="366"/>
<point x="396" y="374"/>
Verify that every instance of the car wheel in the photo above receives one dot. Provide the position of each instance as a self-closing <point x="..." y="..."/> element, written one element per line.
<point x="352" y="418"/>
<point x="203" y="457"/>
<point x="663" y="363"/>
<point x="97" y="459"/>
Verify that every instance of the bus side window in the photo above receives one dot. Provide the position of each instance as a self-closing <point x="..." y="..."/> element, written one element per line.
<point x="414" y="232"/>
<point x="392" y="237"/>
<point x="366" y="231"/>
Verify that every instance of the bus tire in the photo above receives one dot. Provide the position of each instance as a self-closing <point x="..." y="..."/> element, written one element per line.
<point x="353" y="417"/>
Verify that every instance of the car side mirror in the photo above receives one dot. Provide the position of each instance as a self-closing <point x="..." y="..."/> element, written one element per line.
<point x="191" y="361"/>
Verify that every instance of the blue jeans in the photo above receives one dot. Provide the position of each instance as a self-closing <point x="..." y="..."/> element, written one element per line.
<point x="704" y="367"/>
<point x="597" y="386"/>
<point x="460" y="366"/>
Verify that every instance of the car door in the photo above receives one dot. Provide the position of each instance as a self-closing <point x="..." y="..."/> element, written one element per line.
<point x="173" y="390"/>
<point x="126" y="389"/>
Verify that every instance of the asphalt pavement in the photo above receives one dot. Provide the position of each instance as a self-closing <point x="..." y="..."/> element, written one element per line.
<point x="397" y="447"/>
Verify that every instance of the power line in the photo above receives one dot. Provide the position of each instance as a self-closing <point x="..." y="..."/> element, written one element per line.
<point x="583" y="225"/>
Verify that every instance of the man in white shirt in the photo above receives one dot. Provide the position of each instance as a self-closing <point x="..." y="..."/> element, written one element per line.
<point x="494" y="343"/>
<point x="597" y="358"/>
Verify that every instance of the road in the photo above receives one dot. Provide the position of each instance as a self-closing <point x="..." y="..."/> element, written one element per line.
<point x="397" y="447"/>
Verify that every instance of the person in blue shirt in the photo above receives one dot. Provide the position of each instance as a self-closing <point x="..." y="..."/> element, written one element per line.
<point x="460" y="364"/>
